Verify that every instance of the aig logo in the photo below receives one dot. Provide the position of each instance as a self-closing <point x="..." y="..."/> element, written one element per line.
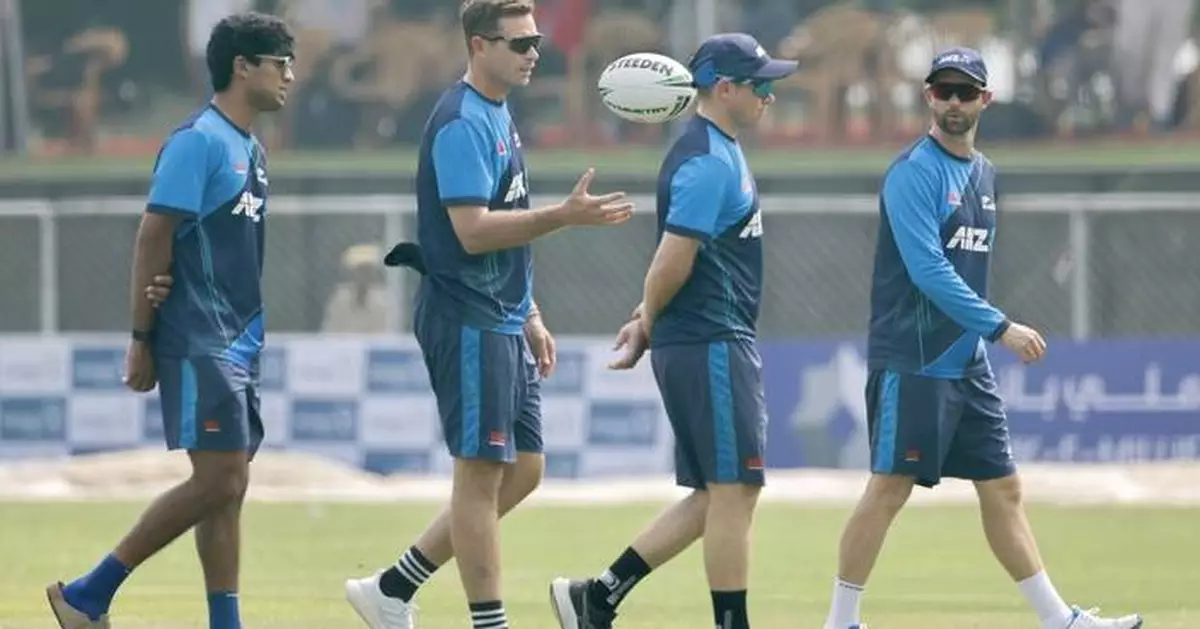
<point x="977" y="239"/>
<point x="517" y="189"/>
<point x="249" y="205"/>
<point x="753" y="229"/>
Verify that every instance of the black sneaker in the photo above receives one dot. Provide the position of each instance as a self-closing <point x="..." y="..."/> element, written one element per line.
<point x="570" y="602"/>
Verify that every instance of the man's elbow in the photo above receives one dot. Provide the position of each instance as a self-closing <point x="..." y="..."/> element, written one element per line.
<point x="929" y="283"/>
<point x="670" y="275"/>
<point x="471" y="242"/>
<point x="156" y="230"/>
<point x="467" y="228"/>
<point x="925" y="274"/>
<point x="682" y="271"/>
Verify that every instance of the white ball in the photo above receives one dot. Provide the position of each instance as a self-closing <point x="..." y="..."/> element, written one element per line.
<point x="646" y="87"/>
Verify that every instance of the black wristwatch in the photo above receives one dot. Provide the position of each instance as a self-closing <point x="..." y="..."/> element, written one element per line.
<point x="143" y="336"/>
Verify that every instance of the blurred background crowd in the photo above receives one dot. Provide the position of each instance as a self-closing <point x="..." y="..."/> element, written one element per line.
<point x="109" y="76"/>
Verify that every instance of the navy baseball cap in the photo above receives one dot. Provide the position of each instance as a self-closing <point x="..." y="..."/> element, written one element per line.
<point x="736" y="56"/>
<point x="965" y="60"/>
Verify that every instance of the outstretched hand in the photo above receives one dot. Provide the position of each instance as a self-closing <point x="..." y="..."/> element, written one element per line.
<point x="582" y="208"/>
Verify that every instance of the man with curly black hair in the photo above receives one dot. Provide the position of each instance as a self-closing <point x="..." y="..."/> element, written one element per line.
<point x="203" y="229"/>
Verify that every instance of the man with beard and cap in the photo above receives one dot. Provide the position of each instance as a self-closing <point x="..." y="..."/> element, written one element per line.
<point x="933" y="407"/>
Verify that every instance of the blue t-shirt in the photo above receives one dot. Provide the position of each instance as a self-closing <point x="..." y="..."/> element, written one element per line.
<point x="929" y="313"/>
<point x="471" y="156"/>
<point x="706" y="192"/>
<point x="213" y="175"/>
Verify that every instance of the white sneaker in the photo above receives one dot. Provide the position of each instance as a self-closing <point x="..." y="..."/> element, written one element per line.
<point x="377" y="610"/>
<point x="1089" y="619"/>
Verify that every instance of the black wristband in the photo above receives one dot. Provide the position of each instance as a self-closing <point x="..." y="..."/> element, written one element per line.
<point x="143" y="336"/>
<point x="999" y="331"/>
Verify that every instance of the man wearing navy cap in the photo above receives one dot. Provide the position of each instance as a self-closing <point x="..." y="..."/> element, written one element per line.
<point x="933" y="408"/>
<point x="699" y="313"/>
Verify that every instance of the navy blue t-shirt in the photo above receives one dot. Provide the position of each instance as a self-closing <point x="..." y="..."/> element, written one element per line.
<point x="213" y="175"/>
<point x="706" y="191"/>
<point x="471" y="156"/>
<point x="929" y="309"/>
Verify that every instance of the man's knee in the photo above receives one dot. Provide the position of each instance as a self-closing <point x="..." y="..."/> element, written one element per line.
<point x="222" y="476"/>
<point x="478" y="479"/>
<point x="524" y="476"/>
<point x="733" y="497"/>
<point x="698" y="499"/>
<point x="1004" y="491"/>
<point x="888" y="492"/>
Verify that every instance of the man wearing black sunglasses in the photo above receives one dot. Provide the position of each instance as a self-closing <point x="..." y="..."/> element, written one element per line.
<point x="482" y="336"/>
<point x="933" y="408"/>
<point x="203" y="231"/>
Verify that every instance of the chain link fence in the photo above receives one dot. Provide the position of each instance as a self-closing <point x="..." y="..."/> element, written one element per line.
<point x="1083" y="272"/>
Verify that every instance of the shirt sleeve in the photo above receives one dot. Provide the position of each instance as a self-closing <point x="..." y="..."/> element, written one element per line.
<point x="698" y="190"/>
<point x="180" y="174"/>
<point x="461" y="159"/>
<point x="910" y="200"/>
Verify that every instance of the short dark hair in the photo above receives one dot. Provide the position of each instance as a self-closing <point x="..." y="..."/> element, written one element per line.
<point x="482" y="17"/>
<point x="244" y="35"/>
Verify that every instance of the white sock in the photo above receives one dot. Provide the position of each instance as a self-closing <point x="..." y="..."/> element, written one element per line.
<point x="843" y="613"/>
<point x="1051" y="609"/>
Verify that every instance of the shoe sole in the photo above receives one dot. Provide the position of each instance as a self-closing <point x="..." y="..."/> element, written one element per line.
<point x="53" y="594"/>
<point x="358" y="601"/>
<point x="55" y="598"/>
<point x="560" y="600"/>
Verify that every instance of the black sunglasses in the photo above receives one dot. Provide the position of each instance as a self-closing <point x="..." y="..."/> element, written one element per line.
<point x="283" y="62"/>
<point x="964" y="91"/>
<point x="763" y="88"/>
<point x="519" y="45"/>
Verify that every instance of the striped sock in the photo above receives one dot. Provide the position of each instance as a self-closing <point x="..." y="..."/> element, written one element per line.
<point x="488" y="615"/>
<point x="410" y="573"/>
<point x="729" y="610"/>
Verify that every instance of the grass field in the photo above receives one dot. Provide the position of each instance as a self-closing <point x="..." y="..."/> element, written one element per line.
<point x="936" y="572"/>
<point x="1178" y="152"/>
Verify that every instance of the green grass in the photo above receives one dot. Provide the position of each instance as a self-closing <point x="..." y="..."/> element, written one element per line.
<point x="936" y="572"/>
<point x="1108" y="154"/>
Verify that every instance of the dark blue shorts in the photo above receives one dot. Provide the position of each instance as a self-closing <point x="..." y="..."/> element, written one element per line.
<point x="713" y="394"/>
<point x="487" y="388"/>
<point x="932" y="428"/>
<point x="209" y="403"/>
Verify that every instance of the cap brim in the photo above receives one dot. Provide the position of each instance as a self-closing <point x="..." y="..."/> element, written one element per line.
<point x="967" y="73"/>
<point x="776" y="69"/>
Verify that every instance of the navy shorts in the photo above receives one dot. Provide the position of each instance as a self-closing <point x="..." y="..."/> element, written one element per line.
<point x="209" y="403"/>
<point x="933" y="428"/>
<point x="713" y="394"/>
<point x="487" y="388"/>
